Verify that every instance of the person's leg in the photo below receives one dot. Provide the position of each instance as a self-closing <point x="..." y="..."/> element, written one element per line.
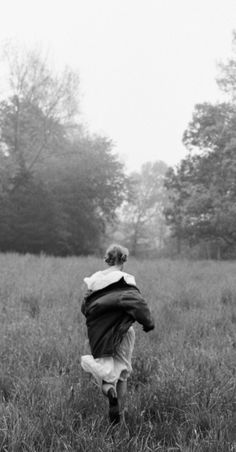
<point x="121" y="389"/>
<point x="109" y="390"/>
<point x="106" y="386"/>
<point x="123" y="362"/>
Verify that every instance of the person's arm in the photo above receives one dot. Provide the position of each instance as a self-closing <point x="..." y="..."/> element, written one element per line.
<point x="135" y="305"/>
<point x="83" y="298"/>
<point x="130" y="301"/>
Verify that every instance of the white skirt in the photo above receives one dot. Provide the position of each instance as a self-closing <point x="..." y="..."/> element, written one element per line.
<point x="112" y="368"/>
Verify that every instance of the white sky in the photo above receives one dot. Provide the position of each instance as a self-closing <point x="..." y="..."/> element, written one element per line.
<point x="143" y="64"/>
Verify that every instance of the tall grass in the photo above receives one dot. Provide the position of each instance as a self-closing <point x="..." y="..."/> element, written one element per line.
<point x="182" y="393"/>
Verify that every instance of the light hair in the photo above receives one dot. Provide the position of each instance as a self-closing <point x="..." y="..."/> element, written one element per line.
<point x="116" y="255"/>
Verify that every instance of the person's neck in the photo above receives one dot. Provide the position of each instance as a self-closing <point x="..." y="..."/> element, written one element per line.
<point x="117" y="267"/>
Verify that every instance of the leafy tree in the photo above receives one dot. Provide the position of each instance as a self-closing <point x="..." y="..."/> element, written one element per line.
<point x="27" y="221"/>
<point x="141" y="215"/>
<point x="87" y="188"/>
<point x="226" y="78"/>
<point x="58" y="186"/>
<point x="203" y="188"/>
<point x="35" y="108"/>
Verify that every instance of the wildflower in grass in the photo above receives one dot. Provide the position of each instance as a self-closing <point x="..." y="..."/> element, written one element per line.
<point x="111" y="305"/>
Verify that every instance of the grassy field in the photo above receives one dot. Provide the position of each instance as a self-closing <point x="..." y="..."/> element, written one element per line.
<point x="182" y="393"/>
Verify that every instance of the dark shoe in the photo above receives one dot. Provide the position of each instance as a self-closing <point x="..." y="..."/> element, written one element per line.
<point x="114" y="413"/>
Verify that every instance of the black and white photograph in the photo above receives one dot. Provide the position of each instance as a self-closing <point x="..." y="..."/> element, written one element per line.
<point x="117" y="226"/>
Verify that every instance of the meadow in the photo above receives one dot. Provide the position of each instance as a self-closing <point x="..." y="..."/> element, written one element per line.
<point x="182" y="393"/>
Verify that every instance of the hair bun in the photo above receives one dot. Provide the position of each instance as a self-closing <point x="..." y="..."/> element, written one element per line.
<point x="124" y="257"/>
<point x="116" y="255"/>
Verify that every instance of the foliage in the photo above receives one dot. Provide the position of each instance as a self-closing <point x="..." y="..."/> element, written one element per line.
<point x="141" y="216"/>
<point x="226" y="77"/>
<point x="86" y="188"/>
<point x="58" y="186"/>
<point x="36" y="109"/>
<point x="27" y="220"/>
<point x="202" y="188"/>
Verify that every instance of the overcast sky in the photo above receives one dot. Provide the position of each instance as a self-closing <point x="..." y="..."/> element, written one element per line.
<point x="143" y="64"/>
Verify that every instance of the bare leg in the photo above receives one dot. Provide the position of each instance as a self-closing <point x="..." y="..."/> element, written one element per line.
<point x="121" y="389"/>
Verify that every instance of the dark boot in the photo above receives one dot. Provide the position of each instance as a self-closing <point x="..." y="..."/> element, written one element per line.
<point x="114" y="412"/>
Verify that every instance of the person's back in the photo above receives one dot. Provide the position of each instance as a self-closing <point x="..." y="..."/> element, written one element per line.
<point x="111" y="305"/>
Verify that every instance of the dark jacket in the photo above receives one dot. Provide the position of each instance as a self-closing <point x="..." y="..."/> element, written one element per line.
<point x="109" y="314"/>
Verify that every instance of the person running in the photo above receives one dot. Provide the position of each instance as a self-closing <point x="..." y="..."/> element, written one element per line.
<point x="111" y="305"/>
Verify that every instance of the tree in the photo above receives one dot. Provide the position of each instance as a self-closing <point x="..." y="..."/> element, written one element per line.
<point x="142" y="213"/>
<point x="226" y="79"/>
<point x="202" y="189"/>
<point x="47" y="162"/>
<point x="27" y="219"/>
<point x="35" y="111"/>
<point x="87" y="188"/>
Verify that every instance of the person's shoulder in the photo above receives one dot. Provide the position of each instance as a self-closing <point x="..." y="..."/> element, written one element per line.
<point x="127" y="274"/>
<point x="129" y="279"/>
<point x="89" y="280"/>
<point x="94" y="275"/>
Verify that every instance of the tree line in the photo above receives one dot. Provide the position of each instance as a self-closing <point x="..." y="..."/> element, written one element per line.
<point x="64" y="191"/>
<point x="202" y="188"/>
<point x="58" y="184"/>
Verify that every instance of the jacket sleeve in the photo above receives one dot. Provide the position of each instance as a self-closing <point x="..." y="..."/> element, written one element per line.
<point x="84" y="299"/>
<point x="137" y="307"/>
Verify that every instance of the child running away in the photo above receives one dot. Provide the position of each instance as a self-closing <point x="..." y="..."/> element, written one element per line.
<point x="111" y="305"/>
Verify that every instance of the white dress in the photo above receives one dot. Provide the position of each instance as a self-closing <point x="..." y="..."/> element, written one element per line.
<point x="118" y="367"/>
